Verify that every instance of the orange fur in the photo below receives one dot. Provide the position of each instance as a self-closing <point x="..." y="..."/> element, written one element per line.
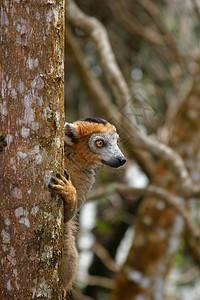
<point x="84" y="155"/>
<point x="87" y="128"/>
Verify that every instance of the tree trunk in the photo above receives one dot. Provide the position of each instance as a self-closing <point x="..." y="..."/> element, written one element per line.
<point x="32" y="120"/>
<point x="158" y="227"/>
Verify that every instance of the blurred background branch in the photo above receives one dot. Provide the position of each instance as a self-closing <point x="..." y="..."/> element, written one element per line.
<point x="138" y="64"/>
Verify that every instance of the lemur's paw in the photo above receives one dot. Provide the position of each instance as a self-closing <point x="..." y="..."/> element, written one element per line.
<point x="60" y="183"/>
<point x="3" y="143"/>
<point x="63" y="186"/>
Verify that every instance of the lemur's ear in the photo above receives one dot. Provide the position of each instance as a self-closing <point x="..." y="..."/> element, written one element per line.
<point x="71" y="134"/>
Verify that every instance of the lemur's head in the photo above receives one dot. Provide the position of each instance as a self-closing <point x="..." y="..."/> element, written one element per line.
<point x="95" y="141"/>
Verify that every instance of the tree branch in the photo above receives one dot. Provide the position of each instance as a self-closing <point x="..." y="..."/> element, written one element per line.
<point x="151" y="191"/>
<point x="97" y="280"/>
<point x="196" y="8"/>
<point x="97" y="32"/>
<point x="133" y="26"/>
<point x="105" y="257"/>
<point x="154" y="12"/>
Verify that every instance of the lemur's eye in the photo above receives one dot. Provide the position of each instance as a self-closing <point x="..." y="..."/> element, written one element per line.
<point x="99" y="143"/>
<point x="118" y="141"/>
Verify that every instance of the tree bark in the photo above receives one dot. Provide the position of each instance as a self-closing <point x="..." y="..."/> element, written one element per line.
<point x="32" y="120"/>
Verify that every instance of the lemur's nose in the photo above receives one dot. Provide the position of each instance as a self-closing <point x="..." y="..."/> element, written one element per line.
<point x="121" y="160"/>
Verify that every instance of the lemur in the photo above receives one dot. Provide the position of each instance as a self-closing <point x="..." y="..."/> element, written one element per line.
<point x="88" y="143"/>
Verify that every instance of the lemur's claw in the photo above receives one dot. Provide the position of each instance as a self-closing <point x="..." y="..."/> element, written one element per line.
<point x="53" y="179"/>
<point x="50" y="185"/>
<point x="66" y="174"/>
<point x="58" y="175"/>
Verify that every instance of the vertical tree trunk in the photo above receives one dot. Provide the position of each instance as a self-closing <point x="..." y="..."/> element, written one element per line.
<point x="32" y="120"/>
<point x="158" y="227"/>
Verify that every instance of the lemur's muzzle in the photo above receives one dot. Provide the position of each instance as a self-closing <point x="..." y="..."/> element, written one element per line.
<point x="121" y="160"/>
<point x="115" y="162"/>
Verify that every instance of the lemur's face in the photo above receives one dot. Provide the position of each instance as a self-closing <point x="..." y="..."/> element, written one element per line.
<point x="95" y="141"/>
<point x="105" y="145"/>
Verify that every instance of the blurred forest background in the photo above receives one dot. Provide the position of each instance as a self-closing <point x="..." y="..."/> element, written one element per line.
<point x="136" y="63"/>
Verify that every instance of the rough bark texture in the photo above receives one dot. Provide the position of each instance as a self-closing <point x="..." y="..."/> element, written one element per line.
<point x="158" y="227"/>
<point x="32" y="120"/>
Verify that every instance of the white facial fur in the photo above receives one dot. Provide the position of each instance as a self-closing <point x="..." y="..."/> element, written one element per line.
<point x="109" y="153"/>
